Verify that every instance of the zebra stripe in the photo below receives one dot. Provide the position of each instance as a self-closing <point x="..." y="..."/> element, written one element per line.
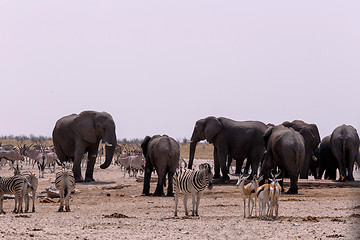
<point x="31" y="185"/>
<point x="12" y="185"/>
<point x="192" y="182"/>
<point x="65" y="183"/>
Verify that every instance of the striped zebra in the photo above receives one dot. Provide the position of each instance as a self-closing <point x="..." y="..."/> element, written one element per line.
<point x="30" y="185"/>
<point x="12" y="185"/>
<point x="192" y="182"/>
<point x="65" y="183"/>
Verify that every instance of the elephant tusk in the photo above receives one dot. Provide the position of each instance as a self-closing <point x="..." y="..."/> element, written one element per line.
<point x="108" y="144"/>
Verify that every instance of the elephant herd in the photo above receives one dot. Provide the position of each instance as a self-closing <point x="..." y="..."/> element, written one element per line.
<point x="293" y="147"/>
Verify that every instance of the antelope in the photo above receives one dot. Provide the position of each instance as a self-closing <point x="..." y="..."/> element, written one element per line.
<point x="248" y="191"/>
<point x="11" y="155"/>
<point x="38" y="156"/>
<point x="268" y="194"/>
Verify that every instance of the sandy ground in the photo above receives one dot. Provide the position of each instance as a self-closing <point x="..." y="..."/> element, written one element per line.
<point x="99" y="210"/>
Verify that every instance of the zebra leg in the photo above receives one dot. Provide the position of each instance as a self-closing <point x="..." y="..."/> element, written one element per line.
<point x="197" y="203"/>
<point x="27" y="202"/>
<point x="16" y="203"/>
<point x="193" y="204"/>
<point x="61" y="208"/>
<point x="67" y="203"/>
<point x="33" y="201"/>
<point x="176" y="203"/>
<point x="1" y="202"/>
<point x="185" y="204"/>
<point x="21" y="198"/>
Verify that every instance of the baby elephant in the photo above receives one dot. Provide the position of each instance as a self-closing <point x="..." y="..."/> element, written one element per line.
<point x="65" y="183"/>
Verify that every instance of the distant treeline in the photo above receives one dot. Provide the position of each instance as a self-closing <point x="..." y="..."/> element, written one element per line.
<point x="47" y="138"/>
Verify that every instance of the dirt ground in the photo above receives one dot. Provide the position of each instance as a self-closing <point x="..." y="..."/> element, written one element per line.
<point x="104" y="210"/>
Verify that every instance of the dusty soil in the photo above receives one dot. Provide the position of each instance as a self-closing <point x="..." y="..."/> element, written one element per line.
<point x="104" y="210"/>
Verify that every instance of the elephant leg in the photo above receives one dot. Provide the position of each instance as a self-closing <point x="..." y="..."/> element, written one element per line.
<point x="330" y="174"/>
<point x="350" y="176"/>
<point x="90" y="166"/>
<point x="229" y="161"/>
<point x="79" y="151"/>
<point x="170" y="192"/>
<point x="147" y="177"/>
<point x="216" y="165"/>
<point x="221" y="155"/>
<point x="239" y="163"/>
<point x="293" y="185"/>
<point x="159" y="191"/>
<point x="304" y="173"/>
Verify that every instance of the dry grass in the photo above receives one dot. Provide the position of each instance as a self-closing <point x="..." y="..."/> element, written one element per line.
<point x="203" y="150"/>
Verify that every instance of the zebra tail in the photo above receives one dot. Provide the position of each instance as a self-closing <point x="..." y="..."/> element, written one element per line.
<point x="66" y="190"/>
<point x="66" y="187"/>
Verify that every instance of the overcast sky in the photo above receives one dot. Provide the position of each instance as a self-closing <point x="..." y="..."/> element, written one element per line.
<point x="159" y="66"/>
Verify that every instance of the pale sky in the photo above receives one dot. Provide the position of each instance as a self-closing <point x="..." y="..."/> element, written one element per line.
<point x="159" y="66"/>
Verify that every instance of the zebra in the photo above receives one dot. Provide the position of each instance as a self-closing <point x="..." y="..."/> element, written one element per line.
<point x="12" y="185"/>
<point x="192" y="182"/>
<point x="65" y="183"/>
<point x="30" y="185"/>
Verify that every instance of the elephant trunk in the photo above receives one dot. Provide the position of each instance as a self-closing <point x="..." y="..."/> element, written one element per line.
<point x="192" y="153"/>
<point x="109" y="153"/>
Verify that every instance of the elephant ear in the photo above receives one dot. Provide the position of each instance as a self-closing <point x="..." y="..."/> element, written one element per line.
<point x="212" y="128"/>
<point x="144" y="145"/>
<point x="267" y="135"/>
<point x="84" y="126"/>
<point x="315" y="132"/>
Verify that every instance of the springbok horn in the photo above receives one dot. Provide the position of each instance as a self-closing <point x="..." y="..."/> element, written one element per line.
<point x="278" y="174"/>
<point x="272" y="173"/>
<point x="108" y="144"/>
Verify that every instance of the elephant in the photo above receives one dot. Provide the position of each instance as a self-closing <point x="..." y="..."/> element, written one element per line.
<point x="163" y="154"/>
<point x="237" y="139"/>
<point x="327" y="160"/>
<point x="77" y="134"/>
<point x="311" y="136"/>
<point x="285" y="148"/>
<point x="345" y="143"/>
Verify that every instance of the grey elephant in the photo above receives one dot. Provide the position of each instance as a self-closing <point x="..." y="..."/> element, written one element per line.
<point x="285" y="148"/>
<point x="311" y="136"/>
<point x="161" y="153"/>
<point x="344" y="143"/>
<point x="77" y="134"/>
<point x="239" y="140"/>
<point x="327" y="160"/>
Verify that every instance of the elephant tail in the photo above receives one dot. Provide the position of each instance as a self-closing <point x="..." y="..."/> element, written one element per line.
<point x="342" y="174"/>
